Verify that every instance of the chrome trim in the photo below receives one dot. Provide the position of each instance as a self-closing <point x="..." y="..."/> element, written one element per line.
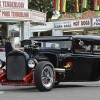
<point x="60" y="70"/>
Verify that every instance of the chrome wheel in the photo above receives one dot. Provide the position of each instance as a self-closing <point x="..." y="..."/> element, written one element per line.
<point x="44" y="76"/>
<point x="47" y="77"/>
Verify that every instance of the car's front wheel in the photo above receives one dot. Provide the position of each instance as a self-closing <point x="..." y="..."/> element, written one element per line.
<point x="44" y="76"/>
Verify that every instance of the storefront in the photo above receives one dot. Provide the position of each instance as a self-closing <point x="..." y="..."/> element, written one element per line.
<point x="15" y="19"/>
<point x="46" y="29"/>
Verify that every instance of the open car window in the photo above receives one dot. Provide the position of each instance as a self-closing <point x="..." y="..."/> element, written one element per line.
<point x="82" y="46"/>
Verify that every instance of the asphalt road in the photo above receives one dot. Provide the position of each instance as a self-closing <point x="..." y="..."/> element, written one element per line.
<point x="64" y="91"/>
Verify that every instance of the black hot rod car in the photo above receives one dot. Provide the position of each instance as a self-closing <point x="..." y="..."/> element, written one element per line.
<point x="49" y="60"/>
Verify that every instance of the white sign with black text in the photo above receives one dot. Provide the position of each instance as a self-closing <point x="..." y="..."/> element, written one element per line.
<point x="72" y="24"/>
<point x="96" y="22"/>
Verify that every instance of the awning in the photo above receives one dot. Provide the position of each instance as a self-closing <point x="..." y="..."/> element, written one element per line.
<point x="42" y="28"/>
<point x="13" y="19"/>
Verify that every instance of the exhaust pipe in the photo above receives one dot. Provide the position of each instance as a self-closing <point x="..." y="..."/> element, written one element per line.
<point x="60" y="70"/>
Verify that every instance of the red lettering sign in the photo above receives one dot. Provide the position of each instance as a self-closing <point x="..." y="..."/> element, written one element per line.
<point x="38" y="14"/>
<point x="13" y="4"/>
<point x="18" y="14"/>
<point x="6" y="13"/>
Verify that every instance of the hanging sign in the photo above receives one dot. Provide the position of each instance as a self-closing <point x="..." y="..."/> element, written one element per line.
<point x="37" y="16"/>
<point x="72" y="24"/>
<point x="15" y="14"/>
<point x="96" y="22"/>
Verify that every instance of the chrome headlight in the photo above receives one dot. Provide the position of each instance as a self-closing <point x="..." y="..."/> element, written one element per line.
<point x="31" y="63"/>
<point x="0" y="63"/>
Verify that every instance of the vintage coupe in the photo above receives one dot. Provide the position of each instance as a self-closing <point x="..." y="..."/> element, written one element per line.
<point x="49" y="60"/>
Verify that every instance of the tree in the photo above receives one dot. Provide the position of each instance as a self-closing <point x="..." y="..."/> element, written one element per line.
<point x="70" y="6"/>
<point x="45" y="6"/>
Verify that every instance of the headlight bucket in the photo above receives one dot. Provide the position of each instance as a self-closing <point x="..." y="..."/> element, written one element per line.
<point x="32" y="63"/>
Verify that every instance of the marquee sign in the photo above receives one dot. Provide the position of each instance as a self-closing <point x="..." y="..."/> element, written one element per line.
<point x="72" y="24"/>
<point x="96" y="22"/>
<point x="17" y="14"/>
<point x="18" y="4"/>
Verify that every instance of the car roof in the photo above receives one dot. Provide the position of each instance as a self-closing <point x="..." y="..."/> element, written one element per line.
<point x="67" y="37"/>
<point x="52" y="38"/>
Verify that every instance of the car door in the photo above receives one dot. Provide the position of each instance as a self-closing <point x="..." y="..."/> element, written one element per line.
<point x="83" y="60"/>
<point x="82" y="67"/>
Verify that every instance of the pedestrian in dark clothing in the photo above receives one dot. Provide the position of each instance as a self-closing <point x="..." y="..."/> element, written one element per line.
<point x="9" y="46"/>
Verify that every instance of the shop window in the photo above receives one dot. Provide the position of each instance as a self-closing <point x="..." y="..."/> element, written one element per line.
<point x="35" y="33"/>
<point x="47" y="33"/>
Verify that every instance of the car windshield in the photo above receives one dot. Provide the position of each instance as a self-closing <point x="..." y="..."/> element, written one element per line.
<point x="55" y="44"/>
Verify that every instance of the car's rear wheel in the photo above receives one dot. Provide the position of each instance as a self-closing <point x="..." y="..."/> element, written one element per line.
<point x="44" y="76"/>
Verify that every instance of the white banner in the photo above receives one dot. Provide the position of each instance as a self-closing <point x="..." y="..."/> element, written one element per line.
<point x="96" y="22"/>
<point x="73" y="24"/>
<point x="14" y="4"/>
<point x="38" y="16"/>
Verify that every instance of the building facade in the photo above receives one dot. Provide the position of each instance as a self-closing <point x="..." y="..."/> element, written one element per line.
<point x="15" y="19"/>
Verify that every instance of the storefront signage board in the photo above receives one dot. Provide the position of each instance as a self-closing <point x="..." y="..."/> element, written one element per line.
<point x="15" y="14"/>
<point x="37" y="16"/>
<point x="73" y="24"/>
<point x="18" y="4"/>
<point x="96" y="22"/>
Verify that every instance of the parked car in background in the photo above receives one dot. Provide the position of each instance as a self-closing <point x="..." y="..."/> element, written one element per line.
<point x="49" y="60"/>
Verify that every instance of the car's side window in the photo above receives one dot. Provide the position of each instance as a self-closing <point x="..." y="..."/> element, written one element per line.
<point x="96" y="47"/>
<point x="82" y="46"/>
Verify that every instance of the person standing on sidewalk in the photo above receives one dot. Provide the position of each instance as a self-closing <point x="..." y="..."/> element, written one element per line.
<point x="9" y="46"/>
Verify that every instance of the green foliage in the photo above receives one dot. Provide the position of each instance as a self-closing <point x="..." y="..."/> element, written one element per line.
<point x="46" y="6"/>
<point x="70" y="6"/>
<point x="41" y="5"/>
